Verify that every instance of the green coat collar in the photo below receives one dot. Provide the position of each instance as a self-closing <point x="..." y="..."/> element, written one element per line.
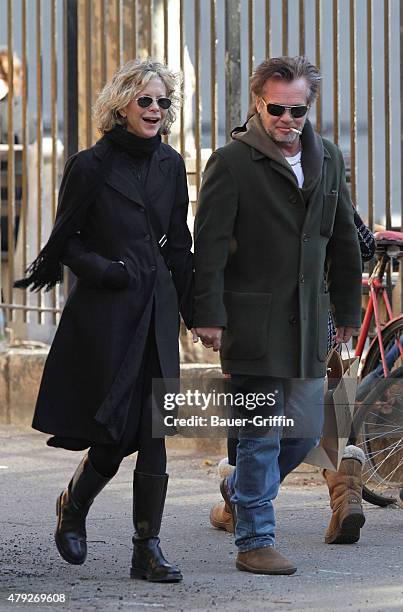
<point x="263" y="147"/>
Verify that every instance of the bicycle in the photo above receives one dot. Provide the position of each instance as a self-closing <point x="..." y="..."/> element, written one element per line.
<point x="378" y="419"/>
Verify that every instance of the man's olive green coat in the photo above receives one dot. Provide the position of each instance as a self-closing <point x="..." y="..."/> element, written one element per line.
<point x="271" y="258"/>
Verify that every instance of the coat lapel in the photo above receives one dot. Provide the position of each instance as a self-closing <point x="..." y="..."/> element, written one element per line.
<point x="312" y="157"/>
<point x="160" y="167"/>
<point x="120" y="177"/>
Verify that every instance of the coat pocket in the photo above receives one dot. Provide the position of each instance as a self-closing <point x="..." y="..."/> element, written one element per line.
<point x="322" y="318"/>
<point x="328" y="213"/>
<point x="247" y="325"/>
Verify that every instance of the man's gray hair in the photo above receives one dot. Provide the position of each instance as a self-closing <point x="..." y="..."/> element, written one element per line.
<point x="287" y="69"/>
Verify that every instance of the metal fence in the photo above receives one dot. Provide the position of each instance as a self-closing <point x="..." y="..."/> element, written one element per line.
<point x="63" y="52"/>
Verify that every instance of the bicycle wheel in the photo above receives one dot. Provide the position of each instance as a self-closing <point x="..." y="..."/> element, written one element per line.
<point x="392" y="332"/>
<point x="378" y="426"/>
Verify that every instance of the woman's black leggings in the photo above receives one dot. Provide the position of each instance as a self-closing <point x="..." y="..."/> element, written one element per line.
<point x="151" y="457"/>
<point x="232" y="444"/>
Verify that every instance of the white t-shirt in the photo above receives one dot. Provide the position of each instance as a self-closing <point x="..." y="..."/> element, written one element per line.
<point x="295" y="163"/>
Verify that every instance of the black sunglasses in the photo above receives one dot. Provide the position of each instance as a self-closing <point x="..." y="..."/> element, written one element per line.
<point x="146" y="101"/>
<point x="276" y="110"/>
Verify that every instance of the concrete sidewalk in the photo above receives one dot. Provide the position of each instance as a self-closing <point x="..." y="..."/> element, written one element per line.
<point x="364" y="576"/>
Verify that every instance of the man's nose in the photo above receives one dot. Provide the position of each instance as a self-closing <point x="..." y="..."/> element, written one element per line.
<point x="287" y="115"/>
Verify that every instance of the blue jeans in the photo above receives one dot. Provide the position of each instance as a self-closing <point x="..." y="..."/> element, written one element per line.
<point x="265" y="455"/>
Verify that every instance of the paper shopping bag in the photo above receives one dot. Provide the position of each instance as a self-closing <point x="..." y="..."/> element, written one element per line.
<point x="339" y="401"/>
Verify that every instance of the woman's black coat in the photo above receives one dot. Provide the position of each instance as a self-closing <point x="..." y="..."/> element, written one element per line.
<point x="96" y="355"/>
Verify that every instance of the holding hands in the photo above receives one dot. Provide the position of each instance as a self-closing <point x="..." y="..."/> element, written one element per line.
<point x="209" y="336"/>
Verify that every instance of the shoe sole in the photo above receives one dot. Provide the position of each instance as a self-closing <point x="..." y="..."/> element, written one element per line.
<point x="349" y="532"/>
<point x="62" y="552"/>
<point x="228" y="503"/>
<point x="247" y="568"/>
<point x="141" y="575"/>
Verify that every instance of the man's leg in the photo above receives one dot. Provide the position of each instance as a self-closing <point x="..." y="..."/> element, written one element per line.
<point x="304" y="404"/>
<point x="255" y="482"/>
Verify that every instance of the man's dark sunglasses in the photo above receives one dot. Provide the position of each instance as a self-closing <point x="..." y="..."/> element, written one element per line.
<point x="146" y="101"/>
<point x="277" y="110"/>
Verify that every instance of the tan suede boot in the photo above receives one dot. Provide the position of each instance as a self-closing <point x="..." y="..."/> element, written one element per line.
<point x="345" y="488"/>
<point x="264" y="561"/>
<point x="221" y="517"/>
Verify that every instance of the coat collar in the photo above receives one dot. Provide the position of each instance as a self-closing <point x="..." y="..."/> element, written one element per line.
<point x="263" y="147"/>
<point x="122" y="166"/>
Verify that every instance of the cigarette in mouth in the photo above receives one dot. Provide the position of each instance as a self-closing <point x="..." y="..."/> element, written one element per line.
<point x="295" y="131"/>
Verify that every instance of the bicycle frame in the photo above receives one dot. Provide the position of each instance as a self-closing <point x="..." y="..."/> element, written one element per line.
<point x="376" y="288"/>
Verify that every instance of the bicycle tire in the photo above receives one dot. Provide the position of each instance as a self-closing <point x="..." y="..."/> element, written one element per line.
<point x="369" y="420"/>
<point x="373" y="358"/>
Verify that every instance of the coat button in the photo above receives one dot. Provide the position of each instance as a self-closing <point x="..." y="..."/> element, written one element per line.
<point x="292" y="199"/>
<point x="301" y="278"/>
<point x="153" y="268"/>
<point x="306" y="237"/>
<point x="292" y="320"/>
<point x="147" y="237"/>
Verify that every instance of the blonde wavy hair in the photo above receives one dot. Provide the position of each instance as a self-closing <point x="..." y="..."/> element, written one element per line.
<point x="126" y="84"/>
<point x="17" y="70"/>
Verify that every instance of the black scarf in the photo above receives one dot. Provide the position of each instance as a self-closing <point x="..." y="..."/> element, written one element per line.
<point x="132" y="144"/>
<point x="47" y="270"/>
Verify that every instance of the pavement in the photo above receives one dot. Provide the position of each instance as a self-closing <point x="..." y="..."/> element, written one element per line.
<point x="363" y="576"/>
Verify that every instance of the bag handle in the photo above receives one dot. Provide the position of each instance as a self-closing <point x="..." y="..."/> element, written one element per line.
<point x="348" y="354"/>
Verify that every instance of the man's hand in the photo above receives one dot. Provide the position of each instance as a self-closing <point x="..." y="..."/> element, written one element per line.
<point x="210" y="336"/>
<point x="343" y="334"/>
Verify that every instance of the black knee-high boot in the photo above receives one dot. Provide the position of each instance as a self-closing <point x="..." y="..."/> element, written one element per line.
<point x="148" y="562"/>
<point x="72" y="508"/>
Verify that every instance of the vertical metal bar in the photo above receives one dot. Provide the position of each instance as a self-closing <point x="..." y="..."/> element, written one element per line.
<point x="284" y="21"/>
<point x="53" y="114"/>
<point x="71" y="78"/>
<point x="182" y="67"/>
<point x="150" y="27"/>
<point x="118" y="35"/>
<point x="301" y="27"/>
<point x="144" y="27"/>
<point x="10" y="154"/>
<point x="70" y="62"/>
<point x="134" y="31"/>
<point x="336" y="90"/>
<point x="213" y="71"/>
<point x="232" y="65"/>
<point x="353" y="105"/>
<point x="400" y="284"/>
<point x="24" y="169"/>
<point x="88" y="72"/>
<point x="250" y="37"/>
<point x="39" y="106"/>
<point x="102" y="43"/>
<point x="197" y="94"/>
<point x="387" y="115"/>
<point x="318" y="28"/>
<point x="166" y="31"/>
<point x="267" y="29"/>
<point x="370" y="98"/>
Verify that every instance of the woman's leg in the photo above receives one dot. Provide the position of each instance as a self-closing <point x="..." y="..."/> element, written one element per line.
<point x="72" y="509"/>
<point x="150" y="483"/>
<point x="232" y="445"/>
<point x="99" y="465"/>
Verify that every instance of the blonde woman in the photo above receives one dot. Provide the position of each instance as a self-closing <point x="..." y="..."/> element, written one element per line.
<point x="121" y="228"/>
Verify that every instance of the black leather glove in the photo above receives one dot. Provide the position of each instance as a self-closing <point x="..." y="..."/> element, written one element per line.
<point x="116" y="276"/>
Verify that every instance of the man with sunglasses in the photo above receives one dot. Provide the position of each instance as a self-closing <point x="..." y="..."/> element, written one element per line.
<point x="274" y="214"/>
